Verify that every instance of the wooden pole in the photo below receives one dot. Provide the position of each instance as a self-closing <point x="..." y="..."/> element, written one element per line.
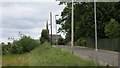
<point x="51" y="25"/>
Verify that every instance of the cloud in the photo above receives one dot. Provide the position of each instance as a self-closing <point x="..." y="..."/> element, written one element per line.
<point x="28" y="17"/>
<point x="28" y="0"/>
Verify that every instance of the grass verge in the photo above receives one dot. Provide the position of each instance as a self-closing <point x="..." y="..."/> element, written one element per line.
<point x="46" y="55"/>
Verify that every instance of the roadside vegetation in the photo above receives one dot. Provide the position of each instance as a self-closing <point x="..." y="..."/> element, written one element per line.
<point x="108" y="24"/>
<point x="46" y="55"/>
<point x="23" y="45"/>
<point x="108" y="21"/>
<point x="27" y="52"/>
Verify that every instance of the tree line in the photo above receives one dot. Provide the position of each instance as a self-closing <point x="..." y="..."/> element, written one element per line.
<point x="108" y="20"/>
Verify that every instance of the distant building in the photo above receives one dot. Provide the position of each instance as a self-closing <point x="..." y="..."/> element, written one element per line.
<point x="55" y="38"/>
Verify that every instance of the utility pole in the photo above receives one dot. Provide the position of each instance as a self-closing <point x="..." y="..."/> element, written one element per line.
<point x="95" y="25"/>
<point x="51" y="25"/>
<point x="72" y="27"/>
<point x="56" y="28"/>
<point x="96" y="46"/>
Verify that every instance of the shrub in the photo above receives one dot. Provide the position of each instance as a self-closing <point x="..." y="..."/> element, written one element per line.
<point x="61" y="41"/>
<point x="112" y="29"/>
<point x="5" y="49"/>
<point x="25" y="44"/>
<point x="16" y="49"/>
<point x="81" y="42"/>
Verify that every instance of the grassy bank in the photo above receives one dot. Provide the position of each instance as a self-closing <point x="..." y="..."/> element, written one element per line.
<point x="46" y="55"/>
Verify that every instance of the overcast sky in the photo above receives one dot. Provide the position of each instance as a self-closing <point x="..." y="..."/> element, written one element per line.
<point x="27" y="17"/>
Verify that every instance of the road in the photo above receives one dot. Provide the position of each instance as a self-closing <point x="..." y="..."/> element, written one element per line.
<point x="107" y="57"/>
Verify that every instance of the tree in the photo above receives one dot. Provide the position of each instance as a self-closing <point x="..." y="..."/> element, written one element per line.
<point x="44" y="36"/>
<point x="84" y="19"/>
<point x="112" y="29"/>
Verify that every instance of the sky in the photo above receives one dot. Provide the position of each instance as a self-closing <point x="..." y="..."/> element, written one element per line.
<point x="27" y="17"/>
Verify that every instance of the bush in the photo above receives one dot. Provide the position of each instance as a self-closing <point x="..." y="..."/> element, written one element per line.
<point x="61" y="41"/>
<point x="112" y="29"/>
<point x="25" y="44"/>
<point x="5" y="48"/>
<point x="81" y="42"/>
<point x="16" y="49"/>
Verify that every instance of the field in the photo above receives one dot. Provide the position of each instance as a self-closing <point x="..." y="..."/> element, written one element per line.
<point x="46" y="55"/>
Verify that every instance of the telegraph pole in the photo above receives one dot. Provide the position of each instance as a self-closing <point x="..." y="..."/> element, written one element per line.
<point x="51" y="25"/>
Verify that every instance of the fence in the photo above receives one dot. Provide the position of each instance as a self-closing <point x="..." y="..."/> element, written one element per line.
<point x="105" y="44"/>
